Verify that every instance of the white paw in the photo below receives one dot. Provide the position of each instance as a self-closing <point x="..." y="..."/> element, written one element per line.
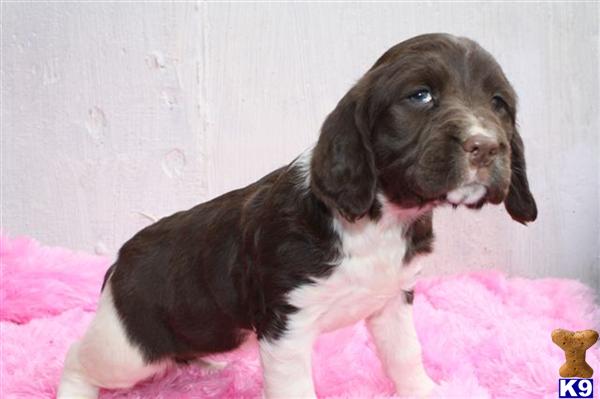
<point x="211" y="366"/>
<point x="420" y="386"/>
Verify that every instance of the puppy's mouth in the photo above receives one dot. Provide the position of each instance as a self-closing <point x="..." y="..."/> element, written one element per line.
<point x="471" y="195"/>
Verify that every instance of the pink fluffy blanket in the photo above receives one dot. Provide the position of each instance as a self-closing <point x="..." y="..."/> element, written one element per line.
<point x="483" y="335"/>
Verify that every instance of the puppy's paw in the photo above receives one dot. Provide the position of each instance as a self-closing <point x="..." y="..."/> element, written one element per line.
<point x="416" y="386"/>
<point x="211" y="366"/>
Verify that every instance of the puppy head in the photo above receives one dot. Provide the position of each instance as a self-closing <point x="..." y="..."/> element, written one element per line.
<point x="433" y="121"/>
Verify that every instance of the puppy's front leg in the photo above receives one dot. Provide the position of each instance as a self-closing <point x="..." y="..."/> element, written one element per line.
<point x="398" y="346"/>
<point x="286" y="363"/>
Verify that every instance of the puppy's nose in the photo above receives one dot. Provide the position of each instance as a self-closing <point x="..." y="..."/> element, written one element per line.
<point x="481" y="150"/>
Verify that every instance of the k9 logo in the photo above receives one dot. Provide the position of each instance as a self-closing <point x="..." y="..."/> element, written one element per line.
<point x="575" y="388"/>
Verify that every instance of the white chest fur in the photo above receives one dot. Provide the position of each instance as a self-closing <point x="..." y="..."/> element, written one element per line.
<point x="370" y="272"/>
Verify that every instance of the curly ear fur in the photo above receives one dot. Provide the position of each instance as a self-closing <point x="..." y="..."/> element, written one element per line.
<point x="342" y="166"/>
<point x="519" y="202"/>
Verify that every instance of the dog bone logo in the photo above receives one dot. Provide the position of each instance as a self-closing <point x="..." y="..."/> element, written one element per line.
<point x="575" y="343"/>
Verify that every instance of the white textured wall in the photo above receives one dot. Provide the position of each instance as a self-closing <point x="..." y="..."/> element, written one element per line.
<point x="111" y="111"/>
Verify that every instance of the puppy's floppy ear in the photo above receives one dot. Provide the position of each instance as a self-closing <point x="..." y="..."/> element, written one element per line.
<point x="519" y="202"/>
<point x="342" y="166"/>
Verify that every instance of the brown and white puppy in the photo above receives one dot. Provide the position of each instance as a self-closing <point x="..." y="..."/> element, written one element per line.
<point x="323" y="242"/>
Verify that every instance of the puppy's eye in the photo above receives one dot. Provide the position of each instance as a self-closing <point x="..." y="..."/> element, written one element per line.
<point x="499" y="105"/>
<point x="422" y="96"/>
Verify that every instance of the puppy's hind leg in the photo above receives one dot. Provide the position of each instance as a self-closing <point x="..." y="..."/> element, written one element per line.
<point x="73" y="382"/>
<point x="105" y="357"/>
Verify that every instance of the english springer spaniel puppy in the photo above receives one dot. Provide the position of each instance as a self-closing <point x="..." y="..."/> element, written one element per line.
<point x="321" y="243"/>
